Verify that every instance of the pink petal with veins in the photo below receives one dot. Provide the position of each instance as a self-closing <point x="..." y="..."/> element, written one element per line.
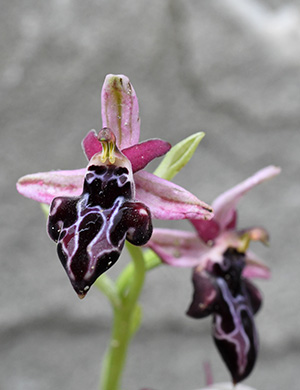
<point x="44" y="186"/>
<point x="176" y="247"/>
<point x="120" y="110"/>
<point x="224" y="206"/>
<point x="168" y="200"/>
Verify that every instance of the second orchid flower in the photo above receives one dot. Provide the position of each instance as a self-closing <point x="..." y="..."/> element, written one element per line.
<point x="222" y="264"/>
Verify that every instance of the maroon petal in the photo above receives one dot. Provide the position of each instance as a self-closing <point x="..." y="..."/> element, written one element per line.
<point x="206" y="229"/>
<point x="91" y="145"/>
<point x="205" y="295"/>
<point x="141" y="154"/>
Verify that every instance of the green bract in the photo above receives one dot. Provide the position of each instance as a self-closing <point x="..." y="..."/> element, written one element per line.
<point x="178" y="156"/>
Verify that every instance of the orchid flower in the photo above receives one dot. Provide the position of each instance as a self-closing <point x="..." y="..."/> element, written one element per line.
<point x="94" y="209"/>
<point x="219" y="253"/>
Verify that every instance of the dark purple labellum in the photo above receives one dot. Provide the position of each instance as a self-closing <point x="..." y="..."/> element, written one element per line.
<point x="232" y="301"/>
<point x="234" y="332"/>
<point x="90" y="230"/>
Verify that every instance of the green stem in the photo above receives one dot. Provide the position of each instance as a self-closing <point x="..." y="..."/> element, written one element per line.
<point x="151" y="260"/>
<point x="108" y="288"/>
<point x="126" y="322"/>
<point x="139" y="271"/>
<point x="115" y="357"/>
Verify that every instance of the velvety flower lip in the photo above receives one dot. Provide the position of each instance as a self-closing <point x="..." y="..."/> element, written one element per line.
<point x="232" y="301"/>
<point x="90" y="229"/>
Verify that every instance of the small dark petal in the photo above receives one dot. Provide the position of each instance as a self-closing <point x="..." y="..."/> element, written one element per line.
<point x="205" y="295"/>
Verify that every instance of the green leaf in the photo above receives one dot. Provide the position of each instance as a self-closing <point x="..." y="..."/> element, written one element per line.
<point x="178" y="156"/>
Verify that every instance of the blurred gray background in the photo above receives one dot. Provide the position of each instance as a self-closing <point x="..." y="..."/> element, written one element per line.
<point x="230" y="68"/>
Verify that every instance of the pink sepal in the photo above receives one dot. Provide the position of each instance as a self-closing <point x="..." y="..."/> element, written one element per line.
<point x="167" y="200"/>
<point x="225" y="205"/>
<point x="120" y="110"/>
<point x="176" y="247"/>
<point x="255" y="268"/>
<point x="44" y="186"/>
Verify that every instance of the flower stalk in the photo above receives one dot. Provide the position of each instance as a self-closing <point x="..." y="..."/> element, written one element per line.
<point x="126" y="321"/>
